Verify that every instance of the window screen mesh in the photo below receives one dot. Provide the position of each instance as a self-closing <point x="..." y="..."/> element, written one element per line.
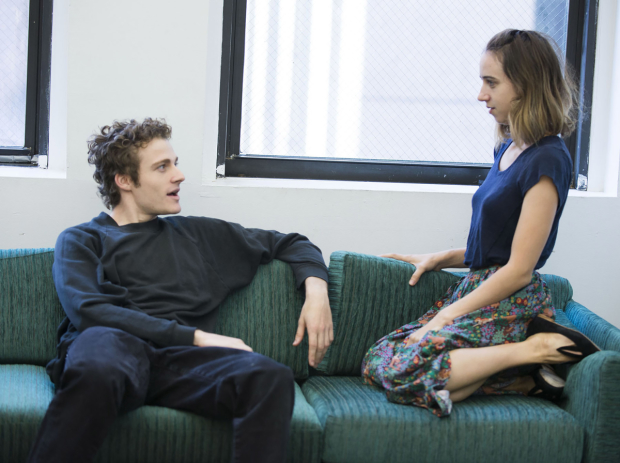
<point x="376" y="79"/>
<point x="13" y="68"/>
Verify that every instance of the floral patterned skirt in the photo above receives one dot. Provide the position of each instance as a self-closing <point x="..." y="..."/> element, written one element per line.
<point x="417" y="374"/>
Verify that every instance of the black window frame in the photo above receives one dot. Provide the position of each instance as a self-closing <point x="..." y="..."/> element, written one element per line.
<point x="36" y="136"/>
<point x="580" y="55"/>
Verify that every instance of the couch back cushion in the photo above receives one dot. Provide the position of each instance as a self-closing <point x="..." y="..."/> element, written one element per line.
<point x="560" y="289"/>
<point x="263" y="314"/>
<point x="30" y="311"/>
<point x="370" y="297"/>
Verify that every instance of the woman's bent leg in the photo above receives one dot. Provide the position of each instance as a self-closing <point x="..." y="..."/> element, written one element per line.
<point x="470" y="368"/>
<point x="418" y="374"/>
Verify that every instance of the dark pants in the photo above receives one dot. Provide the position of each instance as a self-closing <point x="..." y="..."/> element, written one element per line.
<point x="109" y="372"/>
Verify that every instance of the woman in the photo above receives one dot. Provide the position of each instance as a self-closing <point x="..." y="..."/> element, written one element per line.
<point x="475" y="338"/>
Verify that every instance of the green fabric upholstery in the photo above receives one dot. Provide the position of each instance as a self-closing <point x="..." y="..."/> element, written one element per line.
<point x="592" y="395"/>
<point x="386" y="302"/>
<point x="362" y="426"/>
<point x="149" y="434"/>
<point x="30" y="311"/>
<point x="265" y="314"/>
<point x="561" y="290"/>
<point x="25" y="393"/>
<point x="370" y="297"/>
<point x="604" y="334"/>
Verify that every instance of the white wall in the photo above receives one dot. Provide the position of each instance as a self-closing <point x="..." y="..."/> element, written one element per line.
<point x="120" y="59"/>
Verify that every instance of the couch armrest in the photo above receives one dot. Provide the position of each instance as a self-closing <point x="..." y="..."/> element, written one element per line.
<point x="593" y="397"/>
<point x="603" y="333"/>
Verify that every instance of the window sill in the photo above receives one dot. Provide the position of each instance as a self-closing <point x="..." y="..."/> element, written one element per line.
<point x="30" y="172"/>
<point x="366" y="186"/>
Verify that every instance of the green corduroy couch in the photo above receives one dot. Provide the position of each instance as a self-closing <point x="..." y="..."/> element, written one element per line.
<point x="336" y="417"/>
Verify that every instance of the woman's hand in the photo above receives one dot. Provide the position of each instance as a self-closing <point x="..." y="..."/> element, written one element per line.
<point x="423" y="263"/>
<point x="436" y="324"/>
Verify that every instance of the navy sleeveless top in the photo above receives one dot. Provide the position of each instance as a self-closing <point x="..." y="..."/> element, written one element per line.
<point x="496" y="205"/>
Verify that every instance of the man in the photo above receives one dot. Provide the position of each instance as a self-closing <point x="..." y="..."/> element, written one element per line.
<point x="141" y="294"/>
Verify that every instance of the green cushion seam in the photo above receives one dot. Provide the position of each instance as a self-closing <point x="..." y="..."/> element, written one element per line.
<point x="598" y="417"/>
<point x="336" y="271"/>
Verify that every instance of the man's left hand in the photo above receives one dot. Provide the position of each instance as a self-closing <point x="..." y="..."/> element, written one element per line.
<point x="316" y="317"/>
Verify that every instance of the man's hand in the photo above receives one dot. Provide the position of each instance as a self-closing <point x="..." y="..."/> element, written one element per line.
<point x="316" y="317"/>
<point x="203" y="339"/>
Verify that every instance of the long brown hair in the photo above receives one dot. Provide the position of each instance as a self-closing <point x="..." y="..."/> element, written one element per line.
<point x="547" y="97"/>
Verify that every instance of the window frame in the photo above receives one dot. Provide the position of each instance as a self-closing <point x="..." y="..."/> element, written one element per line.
<point x="580" y="55"/>
<point x="36" y="137"/>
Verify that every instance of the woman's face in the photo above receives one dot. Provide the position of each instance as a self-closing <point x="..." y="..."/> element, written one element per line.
<point x="497" y="90"/>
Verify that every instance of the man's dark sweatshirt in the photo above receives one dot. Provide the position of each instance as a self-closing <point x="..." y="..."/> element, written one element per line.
<point x="163" y="279"/>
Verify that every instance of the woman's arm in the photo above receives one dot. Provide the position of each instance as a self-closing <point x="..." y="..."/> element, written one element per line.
<point x="452" y="258"/>
<point x="537" y="214"/>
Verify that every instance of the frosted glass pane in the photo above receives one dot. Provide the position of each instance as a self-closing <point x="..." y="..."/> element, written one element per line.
<point x="14" y="57"/>
<point x="376" y="79"/>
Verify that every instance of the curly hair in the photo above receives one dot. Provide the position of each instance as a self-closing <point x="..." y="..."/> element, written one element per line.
<point x="547" y="98"/>
<point x="115" y="151"/>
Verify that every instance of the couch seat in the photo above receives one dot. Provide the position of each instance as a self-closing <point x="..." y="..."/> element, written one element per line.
<point x="149" y="434"/>
<point x="360" y="425"/>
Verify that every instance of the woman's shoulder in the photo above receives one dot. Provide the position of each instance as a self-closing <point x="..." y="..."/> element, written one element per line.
<point x="552" y="145"/>
<point x="551" y="150"/>
<point x="548" y="157"/>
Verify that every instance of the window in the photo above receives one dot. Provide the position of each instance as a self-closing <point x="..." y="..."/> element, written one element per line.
<point x="25" y="35"/>
<point x="377" y="90"/>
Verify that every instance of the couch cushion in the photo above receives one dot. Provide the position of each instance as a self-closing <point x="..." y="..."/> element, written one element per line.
<point x="30" y="311"/>
<point x="149" y="434"/>
<point x="370" y="297"/>
<point x="263" y="314"/>
<point x="560" y="288"/>
<point x="360" y="425"/>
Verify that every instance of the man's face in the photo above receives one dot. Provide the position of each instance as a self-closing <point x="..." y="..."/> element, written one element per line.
<point x="159" y="178"/>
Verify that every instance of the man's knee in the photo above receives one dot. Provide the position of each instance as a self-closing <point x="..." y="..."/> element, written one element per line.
<point x="105" y="359"/>
<point x="273" y="379"/>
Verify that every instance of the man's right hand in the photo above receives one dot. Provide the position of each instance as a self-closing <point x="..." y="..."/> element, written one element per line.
<point x="204" y="339"/>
